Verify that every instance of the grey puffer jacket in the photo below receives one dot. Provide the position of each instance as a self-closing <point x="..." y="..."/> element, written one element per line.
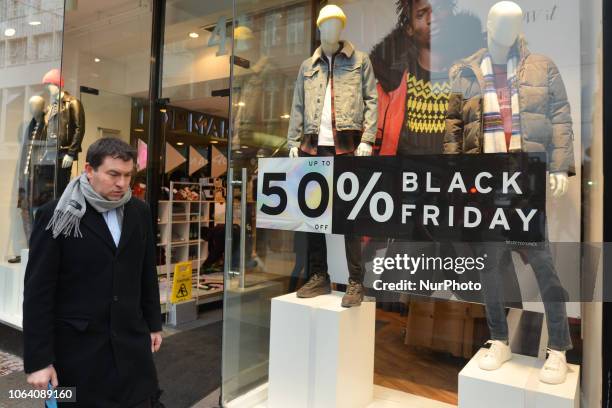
<point x="546" y="122"/>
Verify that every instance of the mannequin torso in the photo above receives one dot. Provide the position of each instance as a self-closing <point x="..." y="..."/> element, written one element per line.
<point x="504" y="25"/>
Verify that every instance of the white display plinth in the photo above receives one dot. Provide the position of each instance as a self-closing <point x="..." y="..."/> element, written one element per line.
<point x="321" y="354"/>
<point x="516" y="385"/>
<point x="11" y="291"/>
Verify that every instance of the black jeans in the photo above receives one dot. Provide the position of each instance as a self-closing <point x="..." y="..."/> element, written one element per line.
<point x="317" y="247"/>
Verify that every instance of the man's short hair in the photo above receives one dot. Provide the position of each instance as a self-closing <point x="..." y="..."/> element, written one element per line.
<point x="109" y="147"/>
<point x="404" y="11"/>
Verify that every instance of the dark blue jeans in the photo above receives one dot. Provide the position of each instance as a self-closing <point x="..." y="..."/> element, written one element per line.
<point x="552" y="292"/>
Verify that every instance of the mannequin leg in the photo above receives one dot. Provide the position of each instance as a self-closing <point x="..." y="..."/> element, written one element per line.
<point x="493" y="289"/>
<point x="62" y="176"/>
<point x="554" y="297"/>
<point x="352" y="244"/>
<point x="317" y="254"/>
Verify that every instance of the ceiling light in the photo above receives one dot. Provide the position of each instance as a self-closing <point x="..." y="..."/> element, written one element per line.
<point x="163" y="110"/>
<point x="214" y="142"/>
<point x="179" y="143"/>
<point x="34" y="23"/>
<point x="96" y="59"/>
<point x="245" y="147"/>
<point x="241" y="103"/>
<point x="138" y="130"/>
<point x="285" y="116"/>
<point x="194" y="35"/>
<point x="9" y="32"/>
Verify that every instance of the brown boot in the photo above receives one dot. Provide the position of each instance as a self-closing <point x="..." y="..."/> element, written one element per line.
<point x="317" y="285"/>
<point x="353" y="295"/>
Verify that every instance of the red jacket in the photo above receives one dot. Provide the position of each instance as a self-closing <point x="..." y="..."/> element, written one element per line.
<point x="391" y="113"/>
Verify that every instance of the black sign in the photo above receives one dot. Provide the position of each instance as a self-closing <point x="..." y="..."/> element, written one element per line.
<point x="472" y="197"/>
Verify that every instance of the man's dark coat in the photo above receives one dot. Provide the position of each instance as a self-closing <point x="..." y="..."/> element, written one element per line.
<point x="89" y="307"/>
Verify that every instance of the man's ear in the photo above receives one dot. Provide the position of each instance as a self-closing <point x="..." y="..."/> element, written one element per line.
<point x="89" y="171"/>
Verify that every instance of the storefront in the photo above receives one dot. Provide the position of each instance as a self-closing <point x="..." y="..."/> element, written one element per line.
<point x="206" y="90"/>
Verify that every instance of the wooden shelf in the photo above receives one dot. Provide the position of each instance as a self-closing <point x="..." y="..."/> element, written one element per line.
<point x="178" y="222"/>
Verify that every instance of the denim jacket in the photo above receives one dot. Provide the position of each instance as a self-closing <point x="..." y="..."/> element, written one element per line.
<point x="355" y="96"/>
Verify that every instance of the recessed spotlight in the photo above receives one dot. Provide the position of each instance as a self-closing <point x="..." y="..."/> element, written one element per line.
<point x="138" y="130"/>
<point x="285" y="116"/>
<point x="96" y="59"/>
<point x="241" y="103"/>
<point x="245" y="147"/>
<point x="34" y="23"/>
<point x="194" y="35"/>
<point x="9" y="32"/>
<point x="179" y="143"/>
<point x="213" y="142"/>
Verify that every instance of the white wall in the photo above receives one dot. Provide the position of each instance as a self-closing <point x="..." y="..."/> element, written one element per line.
<point x="108" y="111"/>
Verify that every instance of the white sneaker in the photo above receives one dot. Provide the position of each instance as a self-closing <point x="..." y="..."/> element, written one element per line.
<point x="496" y="355"/>
<point x="554" y="370"/>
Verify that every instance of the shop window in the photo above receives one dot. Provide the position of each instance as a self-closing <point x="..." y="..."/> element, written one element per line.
<point x="17" y="49"/>
<point x="2" y="53"/>
<point x="271" y="30"/>
<point x="295" y="30"/>
<point x="42" y="47"/>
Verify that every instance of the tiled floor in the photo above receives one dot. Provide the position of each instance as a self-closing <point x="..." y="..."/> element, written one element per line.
<point x="9" y="364"/>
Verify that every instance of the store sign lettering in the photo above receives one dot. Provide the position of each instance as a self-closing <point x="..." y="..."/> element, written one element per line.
<point x="496" y="197"/>
<point x="533" y="16"/>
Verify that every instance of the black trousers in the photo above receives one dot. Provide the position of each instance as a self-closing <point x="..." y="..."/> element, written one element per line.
<point x="317" y="247"/>
<point x="62" y="175"/>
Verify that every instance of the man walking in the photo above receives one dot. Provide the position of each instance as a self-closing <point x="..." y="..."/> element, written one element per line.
<point x="91" y="314"/>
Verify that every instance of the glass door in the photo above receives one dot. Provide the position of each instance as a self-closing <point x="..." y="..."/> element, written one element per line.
<point x="270" y="41"/>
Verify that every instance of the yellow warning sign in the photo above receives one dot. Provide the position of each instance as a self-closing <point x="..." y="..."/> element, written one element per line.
<point x="181" y="284"/>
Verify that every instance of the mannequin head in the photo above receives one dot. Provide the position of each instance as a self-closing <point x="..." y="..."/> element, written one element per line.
<point x="37" y="106"/>
<point x="53" y="82"/>
<point x="331" y="22"/>
<point x="53" y="90"/>
<point x="244" y="38"/>
<point x="504" y="24"/>
<point x="330" y="31"/>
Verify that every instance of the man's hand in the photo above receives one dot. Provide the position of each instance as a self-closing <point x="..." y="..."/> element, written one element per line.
<point x="40" y="379"/>
<point x="558" y="183"/>
<point x="156" y="341"/>
<point x="293" y="152"/>
<point x="364" y="149"/>
<point x="67" y="161"/>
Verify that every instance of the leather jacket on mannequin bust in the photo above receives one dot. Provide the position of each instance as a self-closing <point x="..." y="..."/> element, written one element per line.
<point x="70" y="128"/>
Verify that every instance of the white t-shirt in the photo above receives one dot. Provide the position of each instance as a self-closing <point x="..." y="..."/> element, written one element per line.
<point x="326" y="134"/>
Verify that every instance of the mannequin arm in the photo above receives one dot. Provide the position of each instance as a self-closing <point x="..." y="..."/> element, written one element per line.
<point x="562" y="142"/>
<point x="364" y="149"/>
<point x="77" y="117"/>
<point x="453" y="138"/>
<point x="370" y="100"/>
<point x="296" y="122"/>
<point x="67" y="161"/>
<point x="559" y="182"/>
